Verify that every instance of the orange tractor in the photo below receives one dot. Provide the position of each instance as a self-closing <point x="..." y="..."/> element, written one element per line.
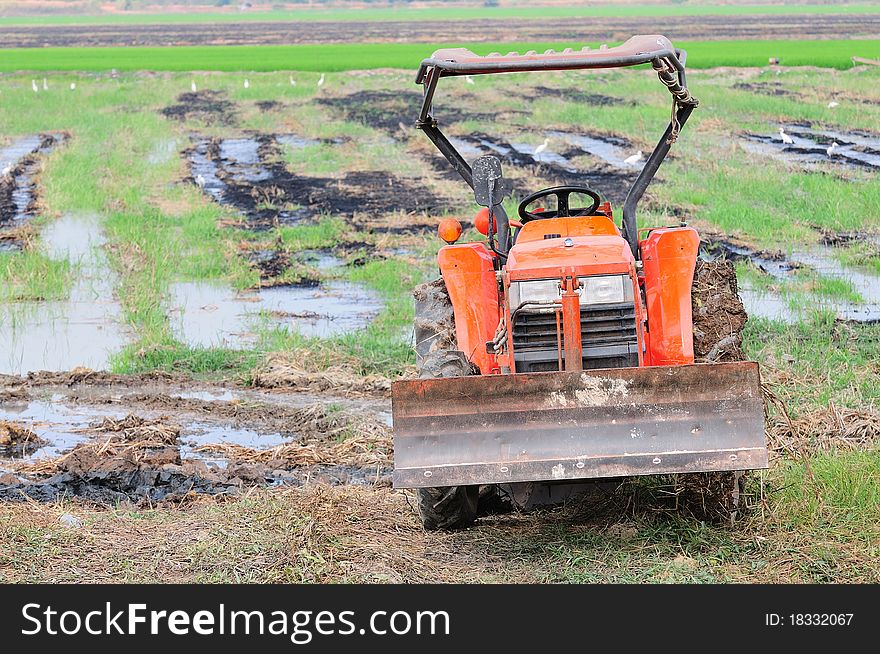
<point x="560" y="350"/>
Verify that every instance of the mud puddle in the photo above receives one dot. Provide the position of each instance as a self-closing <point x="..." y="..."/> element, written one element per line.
<point x="204" y="314"/>
<point x="128" y="453"/>
<point x="83" y="330"/>
<point x="20" y="163"/>
<point x="820" y="259"/>
<point x="811" y="146"/>
<point x="247" y="174"/>
<point x="210" y="107"/>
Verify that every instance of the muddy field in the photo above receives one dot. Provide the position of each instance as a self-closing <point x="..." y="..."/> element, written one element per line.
<point x="252" y="294"/>
<point x="146" y="439"/>
<point x="700" y="28"/>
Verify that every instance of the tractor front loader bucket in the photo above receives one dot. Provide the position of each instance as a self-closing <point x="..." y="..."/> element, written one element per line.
<point x="555" y="426"/>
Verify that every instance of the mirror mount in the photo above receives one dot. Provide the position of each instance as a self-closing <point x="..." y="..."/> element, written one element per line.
<point x="490" y="190"/>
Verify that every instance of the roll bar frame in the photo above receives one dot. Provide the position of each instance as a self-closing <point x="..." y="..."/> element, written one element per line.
<point x="657" y="50"/>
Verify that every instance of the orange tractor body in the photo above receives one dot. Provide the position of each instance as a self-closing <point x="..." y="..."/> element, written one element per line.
<point x="578" y="332"/>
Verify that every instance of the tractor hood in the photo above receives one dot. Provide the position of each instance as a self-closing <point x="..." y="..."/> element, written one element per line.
<point x="590" y="254"/>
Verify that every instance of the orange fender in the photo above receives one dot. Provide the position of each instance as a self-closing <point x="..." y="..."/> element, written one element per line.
<point x="669" y="256"/>
<point x="469" y="274"/>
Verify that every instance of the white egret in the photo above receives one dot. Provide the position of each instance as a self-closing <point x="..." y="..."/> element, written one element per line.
<point x="833" y="104"/>
<point x="34" y="85"/>
<point x="193" y="86"/>
<point x="831" y="149"/>
<point x="73" y="86"/>
<point x="321" y="81"/>
<point x="541" y="148"/>
<point x="632" y="160"/>
<point x="292" y="81"/>
<point x="468" y="79"/>
<point x="200" y="181"/>
<point x="785" y="138"/>
<point x="45" y="85"/>
<point x="247" y="84"/>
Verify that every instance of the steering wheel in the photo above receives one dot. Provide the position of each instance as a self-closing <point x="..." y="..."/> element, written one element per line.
<point x="563" y="210"/>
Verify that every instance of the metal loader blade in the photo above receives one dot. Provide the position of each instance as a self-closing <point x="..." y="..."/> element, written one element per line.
<point x="578" y="425"/>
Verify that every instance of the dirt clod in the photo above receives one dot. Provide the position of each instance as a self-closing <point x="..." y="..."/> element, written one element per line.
<point x="17" y="440"/>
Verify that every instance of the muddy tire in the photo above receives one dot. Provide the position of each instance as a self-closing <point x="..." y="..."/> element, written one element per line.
<point x="719" y="315"/>
<point x="434" y="321"/>
<point x="449" y="507"/>
<point x="719" y="318"/>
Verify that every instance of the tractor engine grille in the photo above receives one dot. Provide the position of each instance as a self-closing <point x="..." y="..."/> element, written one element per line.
<point x="608" y="338"/>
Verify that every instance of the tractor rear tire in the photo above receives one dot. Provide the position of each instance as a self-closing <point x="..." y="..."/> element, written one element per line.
<point x="434" y="320"/>
<point x="447" y="507"/>
<point x="718" y="312"/>
<point x="719" y="318"/>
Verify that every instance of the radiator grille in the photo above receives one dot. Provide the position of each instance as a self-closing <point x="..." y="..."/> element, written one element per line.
<point x="608" y="338"/>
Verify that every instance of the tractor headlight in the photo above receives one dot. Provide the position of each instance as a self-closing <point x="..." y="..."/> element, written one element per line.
<point x="539" y="290"/>
<point x="605" y="289"/>
<point x="600" y="289"/>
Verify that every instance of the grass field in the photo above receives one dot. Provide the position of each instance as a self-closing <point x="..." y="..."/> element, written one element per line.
<point x="456" y="13"/>
<point x="364" y="56"/>
<point x="815" y="512"/>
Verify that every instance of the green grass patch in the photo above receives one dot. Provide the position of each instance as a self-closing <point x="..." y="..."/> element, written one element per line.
<point x="31" y="275"/>
<point x="364" y="56"/>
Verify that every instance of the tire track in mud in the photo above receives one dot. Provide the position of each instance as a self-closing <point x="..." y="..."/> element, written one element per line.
<point x="20" y="165"/>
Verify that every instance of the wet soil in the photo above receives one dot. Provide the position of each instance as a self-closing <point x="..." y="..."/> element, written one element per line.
<point x="116" y="442"/>
<point x="575" y="30"/>
<point x="209" y="106"/>
<point x="810" y="146"/>
<point x="20" y="164"/>
<point x="247" y="173"/>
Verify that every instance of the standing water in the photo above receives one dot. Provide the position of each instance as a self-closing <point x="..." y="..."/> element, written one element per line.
<point x="84" y="329"/>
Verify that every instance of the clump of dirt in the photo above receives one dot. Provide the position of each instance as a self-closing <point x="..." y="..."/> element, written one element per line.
<point x="288" y="370"/>
<point x="135" y="429"/>
<point x="17" y="440"/>
<point x="369" y="446"/>
<point x="141" y="459"/>
<point x="211" y="107"/>
<point x="718" y="312"/>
